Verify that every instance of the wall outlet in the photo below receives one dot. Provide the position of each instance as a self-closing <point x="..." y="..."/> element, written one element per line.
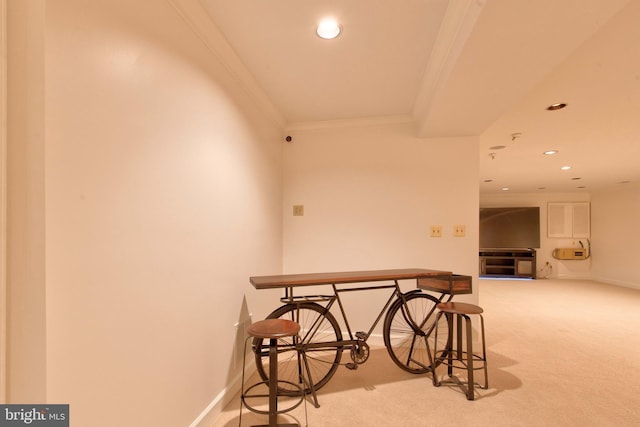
<point x="436" y="231"/>
<point x="459" y="230"/>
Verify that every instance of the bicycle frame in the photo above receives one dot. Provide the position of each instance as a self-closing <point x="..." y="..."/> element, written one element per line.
<point x="289" y="298"/>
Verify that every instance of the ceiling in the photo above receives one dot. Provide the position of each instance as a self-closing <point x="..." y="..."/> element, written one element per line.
<point x="453" y="68"/>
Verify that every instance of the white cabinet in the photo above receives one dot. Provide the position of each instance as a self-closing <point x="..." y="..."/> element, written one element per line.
<point x="568" y="220"/>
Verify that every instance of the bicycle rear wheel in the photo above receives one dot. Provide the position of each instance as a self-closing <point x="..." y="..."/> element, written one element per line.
<point x="408" y="327"/>
<point x="319" y="330"/>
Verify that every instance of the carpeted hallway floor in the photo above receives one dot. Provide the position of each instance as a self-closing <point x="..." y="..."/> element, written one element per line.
<point x="561" y="353"/>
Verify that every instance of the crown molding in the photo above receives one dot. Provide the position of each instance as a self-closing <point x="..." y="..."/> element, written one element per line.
<point x="348" y="123"/>
<point x="199" y="21"/>
<point x="459" y="20"/>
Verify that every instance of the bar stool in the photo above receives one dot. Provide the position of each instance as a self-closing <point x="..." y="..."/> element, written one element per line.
<point x="271" y="329"/>
<point x="456" y="356"/>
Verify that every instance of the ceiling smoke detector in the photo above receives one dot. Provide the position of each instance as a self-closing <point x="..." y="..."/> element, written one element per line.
<point x="557" y="106"/>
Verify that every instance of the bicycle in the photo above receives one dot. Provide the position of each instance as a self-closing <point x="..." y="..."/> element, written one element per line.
<point x="408" y="328"/>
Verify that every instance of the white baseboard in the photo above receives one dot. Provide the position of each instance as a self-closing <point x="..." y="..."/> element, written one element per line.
<point x="617" y="283"/>
<point x="573" y="276"/>
<point x="212" y="412"/>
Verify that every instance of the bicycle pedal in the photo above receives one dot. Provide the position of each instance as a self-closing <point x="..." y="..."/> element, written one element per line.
<point x="361" y="335"/>
<point x="351" y="366"/>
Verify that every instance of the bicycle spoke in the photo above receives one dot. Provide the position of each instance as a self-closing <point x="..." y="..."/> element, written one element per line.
<point x="409" y="331"/>
<point x="318" y="329"/>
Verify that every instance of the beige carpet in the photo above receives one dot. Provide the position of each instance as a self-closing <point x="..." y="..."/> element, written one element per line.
<point x="561" y="353"/>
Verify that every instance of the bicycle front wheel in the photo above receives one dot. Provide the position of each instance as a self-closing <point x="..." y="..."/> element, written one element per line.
<point x="320" y="335"/>
<point x="408" y="327"/>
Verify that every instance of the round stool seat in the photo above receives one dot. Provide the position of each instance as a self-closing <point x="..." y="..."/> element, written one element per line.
<point x="459" y="308"/>
<point x="273" y="328"/>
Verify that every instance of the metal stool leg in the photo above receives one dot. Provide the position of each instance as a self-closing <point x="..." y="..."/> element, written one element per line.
<point x="273" y="382"/>
<point x="244" y="363"/>
<point x="435" y="351"/>
<point x="432" y="357"/>
<point x="484" y="354"/>
<point x="454" y="322"/>
<point x="469" y="336"/>
<point x="273" y="387"/>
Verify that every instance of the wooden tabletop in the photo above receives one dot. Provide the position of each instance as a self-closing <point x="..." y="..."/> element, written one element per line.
<point x="308" y="279"/>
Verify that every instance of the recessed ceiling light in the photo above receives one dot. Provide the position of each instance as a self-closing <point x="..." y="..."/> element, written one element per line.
<point x="328" y="29"/>
<point x="497" y="147"/>
<point x="558" y="106"/>
<point x="505" y="188"/>
<point x="565" y="168"/>
<point x="542" y="188"/>
<point x="550" y="152"/>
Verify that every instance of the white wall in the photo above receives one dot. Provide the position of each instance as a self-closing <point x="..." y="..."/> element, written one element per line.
<point x="159" y="194"/>
<point x="615" y="235"/>
<point x="370" y="195"/>
<point x="26" y="328"/>
<point x="3" y="200"/>
<point x="574" y="269"/>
